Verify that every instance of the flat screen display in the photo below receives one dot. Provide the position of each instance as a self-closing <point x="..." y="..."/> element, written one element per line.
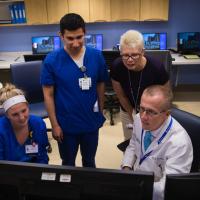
<point x="155" y="41"/>
<point x="188" y="42"/>
<point x="94" y="40"/>
<point x="32" y="181"/>
<point x="45" y="44"/>
<point x="182" y="186"/>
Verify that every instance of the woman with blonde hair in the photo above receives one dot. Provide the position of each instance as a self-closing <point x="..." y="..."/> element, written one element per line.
<point x="23" y="137"/>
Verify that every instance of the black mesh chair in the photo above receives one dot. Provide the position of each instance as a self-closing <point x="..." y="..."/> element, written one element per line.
<point x="163" y="56"/>
<point x="111" y="101"/>
<point x="26" y="76"/>
<point x="191" y="123"/>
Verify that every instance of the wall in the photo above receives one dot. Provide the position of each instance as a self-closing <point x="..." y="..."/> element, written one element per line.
<point x="183" y="16"/>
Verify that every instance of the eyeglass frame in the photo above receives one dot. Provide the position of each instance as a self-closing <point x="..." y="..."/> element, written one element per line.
<point x="133" y="56"/>
<point x="149" y="112"/>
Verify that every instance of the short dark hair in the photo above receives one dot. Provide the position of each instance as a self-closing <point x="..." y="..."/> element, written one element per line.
<point x="71" y="22"/>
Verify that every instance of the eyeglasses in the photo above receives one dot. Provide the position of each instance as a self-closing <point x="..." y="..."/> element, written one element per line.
<point x="133" y="56"/>
<point x="149" y="112"/>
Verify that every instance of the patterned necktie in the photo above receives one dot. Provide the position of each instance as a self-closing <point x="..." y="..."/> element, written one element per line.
<point x="147" y="139"/>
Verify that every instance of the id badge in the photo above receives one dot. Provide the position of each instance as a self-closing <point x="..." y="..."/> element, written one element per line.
<point x="31" y="148"/>
<point x="85" y="83"/>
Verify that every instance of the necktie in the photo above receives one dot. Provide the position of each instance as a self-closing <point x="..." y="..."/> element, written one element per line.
<point x="147" y="139"/>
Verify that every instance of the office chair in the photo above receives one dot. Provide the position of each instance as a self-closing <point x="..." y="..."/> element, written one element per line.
<point x="111" y="101"/>
<point x="162" y="55"/>
<point x="191" y="123"/>
<point x="26" y="76"/>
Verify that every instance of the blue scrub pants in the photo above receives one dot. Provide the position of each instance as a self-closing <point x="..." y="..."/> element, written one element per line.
<point x="88" y="146"/>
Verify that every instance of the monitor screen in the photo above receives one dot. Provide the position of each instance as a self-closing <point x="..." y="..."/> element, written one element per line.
<point x="94" y="40"/>
<point x="45" y="44"/>
<point x="188" y="42"/>
<point x="39" y="181"/>
<point x="182" y="186"/>
<point x="155" y="41"/>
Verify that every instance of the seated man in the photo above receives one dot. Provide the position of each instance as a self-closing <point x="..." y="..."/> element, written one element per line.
<point x="160" y="144"/>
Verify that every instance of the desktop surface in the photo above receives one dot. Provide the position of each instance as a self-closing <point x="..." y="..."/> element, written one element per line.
<point x="179" y="59"/>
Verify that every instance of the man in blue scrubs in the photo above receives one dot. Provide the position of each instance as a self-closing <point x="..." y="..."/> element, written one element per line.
<point x="73" y="84"/>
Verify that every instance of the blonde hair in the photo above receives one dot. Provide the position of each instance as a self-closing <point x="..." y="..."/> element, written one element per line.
<point x="8" y="91"/>
<point x="132" y="38"/>
<point x="165" y="91"/>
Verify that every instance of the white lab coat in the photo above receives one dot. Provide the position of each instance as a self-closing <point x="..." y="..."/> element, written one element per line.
<point x="172" y="156"/>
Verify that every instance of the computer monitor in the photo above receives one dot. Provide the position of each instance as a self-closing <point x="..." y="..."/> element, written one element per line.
<point x="40" y="181"/>
<point x="45" y="44"/>
<point x="94" y="40"/>
<point x="155" y="41"/>
<point x="188" y="42"/>
<point x="34" y="57"/>
<point x="182" y="186"/>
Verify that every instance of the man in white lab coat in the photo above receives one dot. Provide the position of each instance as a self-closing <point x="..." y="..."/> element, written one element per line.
<point x="160" y="144"/>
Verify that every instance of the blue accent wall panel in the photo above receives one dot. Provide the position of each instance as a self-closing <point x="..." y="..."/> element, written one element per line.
<point x="184" y="15"/>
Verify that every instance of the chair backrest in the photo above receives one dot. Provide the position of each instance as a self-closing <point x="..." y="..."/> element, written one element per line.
<point x="191" y="123"/>
<point x="110" y="56"/>
<point x="162" y="55"/>
<point x="26" y="76"/>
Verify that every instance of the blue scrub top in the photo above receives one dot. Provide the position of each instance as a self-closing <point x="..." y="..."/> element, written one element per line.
<point x="11" y="150"/>
<point x="74" y="106"/>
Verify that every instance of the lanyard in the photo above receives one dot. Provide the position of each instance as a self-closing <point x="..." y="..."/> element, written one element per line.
<point x="83" y="69"/>
<point x="159" y="141"/>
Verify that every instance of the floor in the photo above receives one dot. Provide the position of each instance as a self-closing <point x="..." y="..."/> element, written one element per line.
<point x="108" y="156"/>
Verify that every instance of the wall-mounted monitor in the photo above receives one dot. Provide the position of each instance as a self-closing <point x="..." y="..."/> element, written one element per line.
<point x="155" y="41"/>
<point x="45" y="44"/>
<point x="188" y="42"/>
<point x="94" y="40"/>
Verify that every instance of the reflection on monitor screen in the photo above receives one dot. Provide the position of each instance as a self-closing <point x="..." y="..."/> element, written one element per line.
<point x="188" y="42"/>
<point x="155" y="41"/>
<point x="94" y="40"/>
<point x="45" y="44"/>
<point x="52" y="182"/>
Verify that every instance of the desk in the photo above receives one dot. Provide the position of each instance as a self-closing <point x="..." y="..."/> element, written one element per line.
<point x="7" y="58"/>
<point x="180" y="61"/>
